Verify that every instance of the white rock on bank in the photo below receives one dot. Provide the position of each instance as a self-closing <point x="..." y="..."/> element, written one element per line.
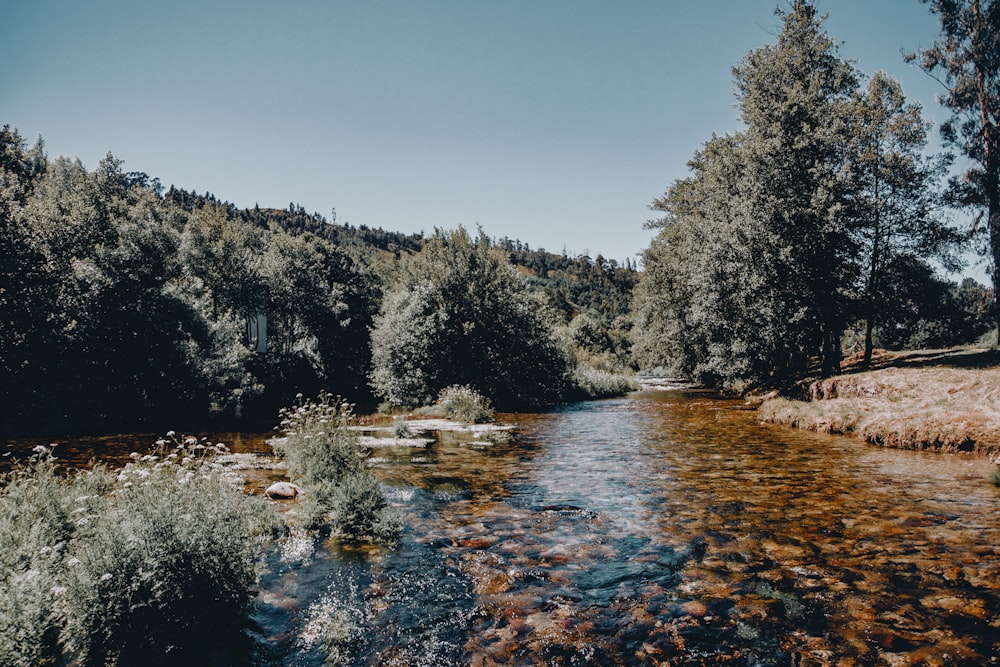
<point x="282" y="491"/>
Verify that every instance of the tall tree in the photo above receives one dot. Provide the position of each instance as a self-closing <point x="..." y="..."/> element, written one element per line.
<point x="750" y="276"/>
<point x="710" y="305"/>
<point x="793" y="96"/>
<point x="320" y="306"/>
<point x="26" y="292"/>
<point x="894" y="201"/>
<point x="967" y="62"/>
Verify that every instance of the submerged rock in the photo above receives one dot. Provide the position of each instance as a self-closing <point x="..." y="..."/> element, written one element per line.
<point x="282" y="491"/>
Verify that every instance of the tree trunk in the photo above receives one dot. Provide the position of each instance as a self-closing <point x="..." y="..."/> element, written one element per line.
<point x="991" y="140"/>
<point x="993" y="214"/>
<point x="830" y="355"/>
<point x="994" y="222"/>
<point x="869" y="343"/>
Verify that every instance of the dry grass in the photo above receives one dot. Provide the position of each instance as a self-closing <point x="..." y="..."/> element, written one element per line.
<point x="942" y="400"/>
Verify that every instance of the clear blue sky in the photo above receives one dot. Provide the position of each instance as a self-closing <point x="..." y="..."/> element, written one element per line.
<point x="555" y="122"/>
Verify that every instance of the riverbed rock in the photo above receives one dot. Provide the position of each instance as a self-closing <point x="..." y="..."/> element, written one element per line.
<point x="282" y="491"/>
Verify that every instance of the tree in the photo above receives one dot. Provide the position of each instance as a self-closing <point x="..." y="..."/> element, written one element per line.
<point x="894" y="203"/>
<point x="461" y="314"/>
<point x="749" y="276"/>
<point x="793" y="96"/>
<point x="710" y="304"/>
<point x="320" y="306"/>
<point x="967" y="62"/>
<point x="26" y="291"/>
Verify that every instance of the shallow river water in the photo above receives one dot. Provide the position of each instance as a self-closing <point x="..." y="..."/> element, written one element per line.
<point x="665" y="528"/>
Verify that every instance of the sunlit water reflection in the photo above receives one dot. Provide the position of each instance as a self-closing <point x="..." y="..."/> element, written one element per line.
<point x="664" y="528"/>
<point x="670" y="528"/>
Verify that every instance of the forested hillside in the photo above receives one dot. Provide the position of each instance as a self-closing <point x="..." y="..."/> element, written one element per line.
<point x="124" y="304"/>
<point x="822" y="227"/>
<point x="824" y="224"/>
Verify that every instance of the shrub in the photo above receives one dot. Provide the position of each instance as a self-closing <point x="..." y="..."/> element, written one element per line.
<point x="325" y="459"/>
<point x="317" y="445"/>
<point x="461" y="314"/>
<point x="38" y="515"/>
<point x="361" y="510"/>
<point x="157" y="563"/>
<point x="400" y="429"/>
<point x="464" y="404"/>
<point x="165" y="568"/>
<point x="597" y="383"/>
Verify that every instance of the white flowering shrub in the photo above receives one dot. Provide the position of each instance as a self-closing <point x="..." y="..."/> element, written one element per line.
<point x="38" y="516"/>
<point x="464" y="404"/>
<point x="155" y="564"/>
<point x="325" y="458"/>
<point x="168" y="565"/>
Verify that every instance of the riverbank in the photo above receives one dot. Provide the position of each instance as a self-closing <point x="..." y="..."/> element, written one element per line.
<point x="945" y="400"/>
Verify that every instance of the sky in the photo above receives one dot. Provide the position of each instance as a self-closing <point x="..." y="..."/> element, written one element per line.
<point x="555" y="122"/>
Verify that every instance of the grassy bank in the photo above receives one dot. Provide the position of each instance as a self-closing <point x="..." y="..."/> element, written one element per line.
<point x="947" y="400"/>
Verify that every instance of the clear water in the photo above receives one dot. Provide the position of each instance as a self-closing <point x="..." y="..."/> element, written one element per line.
<point x="665" y="528"/>
<point x="662" y="529"/>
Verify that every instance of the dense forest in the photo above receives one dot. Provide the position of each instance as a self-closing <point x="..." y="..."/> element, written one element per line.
<point x="824" y="224"/>
<point x="124" y="304"/>
<point x="820" y="228"/>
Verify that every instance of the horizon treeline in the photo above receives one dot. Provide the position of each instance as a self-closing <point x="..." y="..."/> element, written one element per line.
<point x="127" y="305"/>
<point x="819" y="229"/>
<point x="820" y="224"/>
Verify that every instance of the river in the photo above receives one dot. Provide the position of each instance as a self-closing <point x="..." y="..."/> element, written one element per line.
<point x="664" y="528"/>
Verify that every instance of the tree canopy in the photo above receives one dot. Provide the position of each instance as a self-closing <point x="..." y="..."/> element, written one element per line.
<point x="460" y="314"/>
<point x="789" y="231"/>
<point x="967" y="61"/>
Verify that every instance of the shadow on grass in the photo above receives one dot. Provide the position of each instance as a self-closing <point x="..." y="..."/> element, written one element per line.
<point x="953" y="358"/>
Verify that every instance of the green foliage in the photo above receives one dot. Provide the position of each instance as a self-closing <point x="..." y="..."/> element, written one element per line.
<point x="601" y="356"/>
<point x="464" y="404"/>
<point x="461" y="315"/>
<point x="588" y="334"/>
<point x="361" y="512"/>
<point x="155" y="564"/>
<point x="39" y="512"/>
<point x="318" y="445"/>
<point x="401" y="429"/>
<point x="967" y="60"/>
<point x="597" y="383"/>
<point x="894" y="207"/>
<point x="119" y="307"/>
<point x="794" y="98"/>
<point x="821" y="212"/>
<point x="167" y="566"/>
<point x="325" y="459"/>
<point x="709" y="307"/>
<point x="924" y="311"/>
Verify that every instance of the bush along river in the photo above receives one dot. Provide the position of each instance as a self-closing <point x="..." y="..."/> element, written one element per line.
<point x="664" y="528"/>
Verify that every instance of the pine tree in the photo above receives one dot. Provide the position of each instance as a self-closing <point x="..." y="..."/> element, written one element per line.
<point x="967" y="60"/>
<point x="793" y="96"/>
<point x="894" y="201"/>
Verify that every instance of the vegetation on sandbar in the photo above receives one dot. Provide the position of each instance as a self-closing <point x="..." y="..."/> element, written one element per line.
<point x="939" y="400"/>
